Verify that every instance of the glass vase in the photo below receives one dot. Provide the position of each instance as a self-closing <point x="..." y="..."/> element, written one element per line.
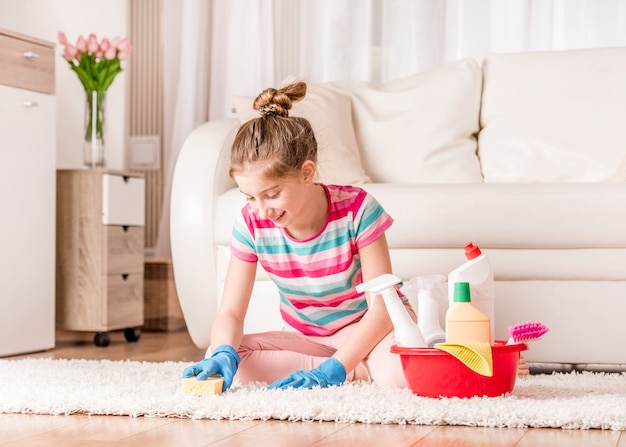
<point x="94" y="147"/>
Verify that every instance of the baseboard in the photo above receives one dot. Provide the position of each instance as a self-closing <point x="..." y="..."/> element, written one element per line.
<point x="549" y="368"/>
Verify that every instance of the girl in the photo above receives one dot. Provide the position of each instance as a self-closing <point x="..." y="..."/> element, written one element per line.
<point x="317" y="242"/>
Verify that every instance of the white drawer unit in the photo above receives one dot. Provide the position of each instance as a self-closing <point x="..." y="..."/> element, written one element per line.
<point x="27" y="193"/>
<point x="120" y="196"/>
<point x="100" y="243"/>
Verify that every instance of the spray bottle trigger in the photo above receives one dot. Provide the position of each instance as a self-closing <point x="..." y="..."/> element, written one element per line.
<point x="379" y="284"/>
<point x="406" y="331"/>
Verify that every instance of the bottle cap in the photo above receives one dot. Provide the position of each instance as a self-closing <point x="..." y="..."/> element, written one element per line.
<point x="472" y="251"/>
<point x="462" y="292"/>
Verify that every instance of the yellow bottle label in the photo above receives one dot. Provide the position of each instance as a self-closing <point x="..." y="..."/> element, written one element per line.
<point x="466" y="324"/>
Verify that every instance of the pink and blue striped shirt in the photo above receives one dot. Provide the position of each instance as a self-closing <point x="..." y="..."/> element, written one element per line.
<point x="316" y="277"/>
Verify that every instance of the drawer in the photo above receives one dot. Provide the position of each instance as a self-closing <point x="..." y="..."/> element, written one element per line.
<point x="26" y="63"/>
<point x="124" y="249"/>
<point x="123" y="200"/>
<point x="124" y="301"/>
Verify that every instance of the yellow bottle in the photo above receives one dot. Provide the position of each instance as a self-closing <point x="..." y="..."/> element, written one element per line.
<point x="465" y="323"/>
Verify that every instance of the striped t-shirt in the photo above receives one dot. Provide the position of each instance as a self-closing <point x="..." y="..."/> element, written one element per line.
<point x="316" y="277"/>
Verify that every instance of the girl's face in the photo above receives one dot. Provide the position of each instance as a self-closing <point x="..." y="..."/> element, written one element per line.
<point x="285" y="201"/>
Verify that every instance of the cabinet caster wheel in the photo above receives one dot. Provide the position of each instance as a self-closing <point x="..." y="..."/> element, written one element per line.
<point x="102" y="339"/>
<point x="132" y="334"/>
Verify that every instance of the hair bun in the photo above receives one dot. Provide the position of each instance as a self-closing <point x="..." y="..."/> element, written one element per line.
<point x="277" y="102"/>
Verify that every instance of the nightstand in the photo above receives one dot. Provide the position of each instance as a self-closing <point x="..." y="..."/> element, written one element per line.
<point x="100" y="252"/>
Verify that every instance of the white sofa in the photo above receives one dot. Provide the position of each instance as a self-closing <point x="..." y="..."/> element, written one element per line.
<point x="524" y="156"/>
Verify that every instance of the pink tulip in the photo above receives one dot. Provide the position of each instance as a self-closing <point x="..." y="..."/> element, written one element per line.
<point x="124" y="43"/>
<point x="123" y="54"/>
<point x="105" y="44"/>
<point x="62" y="38"/>
<point x="81" y="44"/>
<point x="110" y="53"/>
<point x="70" y="52"/>
<point x="124" y="48"/>
<point x="92" y="44"/>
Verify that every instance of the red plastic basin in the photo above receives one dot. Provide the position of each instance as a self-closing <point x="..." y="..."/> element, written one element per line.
<point x="431" y="372"/>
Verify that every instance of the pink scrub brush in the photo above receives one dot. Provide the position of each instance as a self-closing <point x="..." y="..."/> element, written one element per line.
<point x="524" y="332"/>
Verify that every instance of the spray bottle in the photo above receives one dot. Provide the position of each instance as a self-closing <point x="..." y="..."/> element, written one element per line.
<point x="478" y="272"/>
<point x="428" y="287"/>
<point x="406" y="331"/>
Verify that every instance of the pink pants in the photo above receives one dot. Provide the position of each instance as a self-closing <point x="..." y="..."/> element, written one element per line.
<point x="268" y="356"/>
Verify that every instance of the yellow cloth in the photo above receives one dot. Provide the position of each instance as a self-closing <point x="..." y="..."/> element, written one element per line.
<point x="476" y="356"/>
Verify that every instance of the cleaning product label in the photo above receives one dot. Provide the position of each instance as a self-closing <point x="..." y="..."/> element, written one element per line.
<point x="465" y="323"/>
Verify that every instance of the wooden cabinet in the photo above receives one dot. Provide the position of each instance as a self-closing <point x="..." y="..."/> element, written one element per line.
<point x="100" y="252"/>
<point x="27" y="193"/>
<point x="27" y="63"/>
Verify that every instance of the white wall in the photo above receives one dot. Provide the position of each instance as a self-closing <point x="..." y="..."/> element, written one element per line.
<point x="43" y="19"/>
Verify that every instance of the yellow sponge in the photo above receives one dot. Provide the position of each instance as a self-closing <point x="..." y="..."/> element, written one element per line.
<point x="212" y="385"/>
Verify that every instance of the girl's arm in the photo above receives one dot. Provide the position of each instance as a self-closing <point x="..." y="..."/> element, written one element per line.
<point x="228" y="325"/>
<point x="227" y="329"/>
<point x="376" y="323"/>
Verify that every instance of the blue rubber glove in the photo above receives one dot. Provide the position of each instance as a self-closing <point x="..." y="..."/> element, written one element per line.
<point x="223" y="362"/>
<point x="330" y="372"/>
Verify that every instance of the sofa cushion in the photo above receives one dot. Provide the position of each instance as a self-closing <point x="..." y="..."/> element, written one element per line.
<point x="419" y="129"/>
<point x="554" y="116"/>
<point x="513" y="215"/>
<point x="330" y="115"/>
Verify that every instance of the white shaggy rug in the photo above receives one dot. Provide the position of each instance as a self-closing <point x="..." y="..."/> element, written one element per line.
<point x="62" y="387"/>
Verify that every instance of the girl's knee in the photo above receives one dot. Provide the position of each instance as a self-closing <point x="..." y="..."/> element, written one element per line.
<point x="385" y="368"/>
<point x="389" y="378"/>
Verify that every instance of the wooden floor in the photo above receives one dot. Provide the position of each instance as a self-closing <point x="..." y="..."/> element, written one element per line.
<point x="97" y="431"/>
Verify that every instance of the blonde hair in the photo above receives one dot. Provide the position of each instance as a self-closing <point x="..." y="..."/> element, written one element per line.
<point x="275" y="142"/>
